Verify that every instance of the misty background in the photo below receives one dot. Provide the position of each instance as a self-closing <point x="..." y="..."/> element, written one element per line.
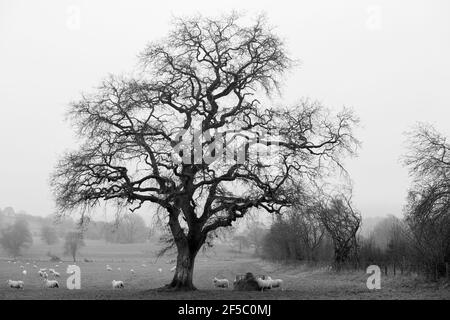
<point x="386" y="60"/>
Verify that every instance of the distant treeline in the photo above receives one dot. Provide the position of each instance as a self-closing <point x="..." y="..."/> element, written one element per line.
<point x="130" y="228"/>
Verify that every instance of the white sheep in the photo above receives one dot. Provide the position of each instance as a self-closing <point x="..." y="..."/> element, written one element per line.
<point x="159" y="270"/>
<point x="24" y="272"/>
<point x="173" y="269"/>
<point x="108" y="268"/>
<point x="264" y="284"/>
<point x="144" y="265"/>
<point x="221" y="283"/>
<point x="117" y="284"/>
<point x="276" y="283"/>
<point x="28" y="263"/>
<point x="51" y="271"/>
<point x="56" y="274"/>
<point x="132" y="271"/>
<point x="118" y="269"/>
<point x="51" y="283"/>
<point x="15" y="284"/>
<point x="35" y="266"/>
<point x="22" y="267"/>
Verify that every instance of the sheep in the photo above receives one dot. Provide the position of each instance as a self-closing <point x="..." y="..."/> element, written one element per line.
<point x="51" y="283"/>
<point x="22" y="267"/>
<point x="42" y="269"/>
<point x="263" y="283"/>
<point x="15" y="284"/>
<point x="27" y="263"/>
<point x="9" y="261"/>
<point x="57" y="266"/>
<point x="118" y="269"/>
<point x="173" y="269"/>
<point x="144" y="265"/>
<point x="56" y="274"/>
<point x="159" y="270"/>
<point x="108" y="268"/>
<point x="117" y="284"/>
<point x="132" y="271"/>
<point x="35" y="266"/>
<point x="24" y="272"/>
<point x="276" y="283"/>
<point x="221" y="283"/>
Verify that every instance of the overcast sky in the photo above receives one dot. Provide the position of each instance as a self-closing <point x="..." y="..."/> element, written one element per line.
<point x="388" y="60"/>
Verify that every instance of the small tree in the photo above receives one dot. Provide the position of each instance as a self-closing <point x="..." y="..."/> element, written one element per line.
<point x="49" y="235"/>
<point x="342" y="223"/>
<point x="16" y="237"/>
<point x="74" y="241"/>
<point x="428" y="209"/>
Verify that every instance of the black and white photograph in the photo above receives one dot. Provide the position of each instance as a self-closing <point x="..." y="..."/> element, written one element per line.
<point x="240" y="152"/>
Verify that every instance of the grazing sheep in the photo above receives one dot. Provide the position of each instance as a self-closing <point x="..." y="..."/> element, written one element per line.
<point x="51" y="283"/>
<point x="276" y="283"/>
<point x="51" y="271"/>
<point x="27" y="263"/>
<point x="9" y="261"/>
<point x="15" y="284"/>
<point x="221" y="283"/>
<point x="159" y="270"/>
<point x="264" y="284"/>
<point x="43" y="269"/>
<point x="57" y="266"/>
<point x="56" y="274"/>
<point x="24" y="272"/>
<point x="35" y="266"/>
<point x="108" y="268"/>
<point x="132" y="271"/>
<point x="117" y="284"/>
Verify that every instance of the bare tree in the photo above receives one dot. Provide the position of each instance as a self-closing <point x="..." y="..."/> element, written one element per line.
<point x="73" y="243"/>
<point x="342" y="223"/>
<point x="205" y="79"/>
<point x="428" y="210"/>
<point x="16" y="237"/>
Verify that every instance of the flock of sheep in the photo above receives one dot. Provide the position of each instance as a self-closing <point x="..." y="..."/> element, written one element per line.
<point x="53" y="283"/>
<point x="49" y="283"/>
<point x="263" y="282"/>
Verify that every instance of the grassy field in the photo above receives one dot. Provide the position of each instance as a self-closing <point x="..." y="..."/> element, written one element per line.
<point x="300" y="282"/>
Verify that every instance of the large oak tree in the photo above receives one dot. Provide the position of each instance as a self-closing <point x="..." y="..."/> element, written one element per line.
<point x="160" y="137"/>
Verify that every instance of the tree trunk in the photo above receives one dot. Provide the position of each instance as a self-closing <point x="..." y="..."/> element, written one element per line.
<point x="182" y="279"/>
